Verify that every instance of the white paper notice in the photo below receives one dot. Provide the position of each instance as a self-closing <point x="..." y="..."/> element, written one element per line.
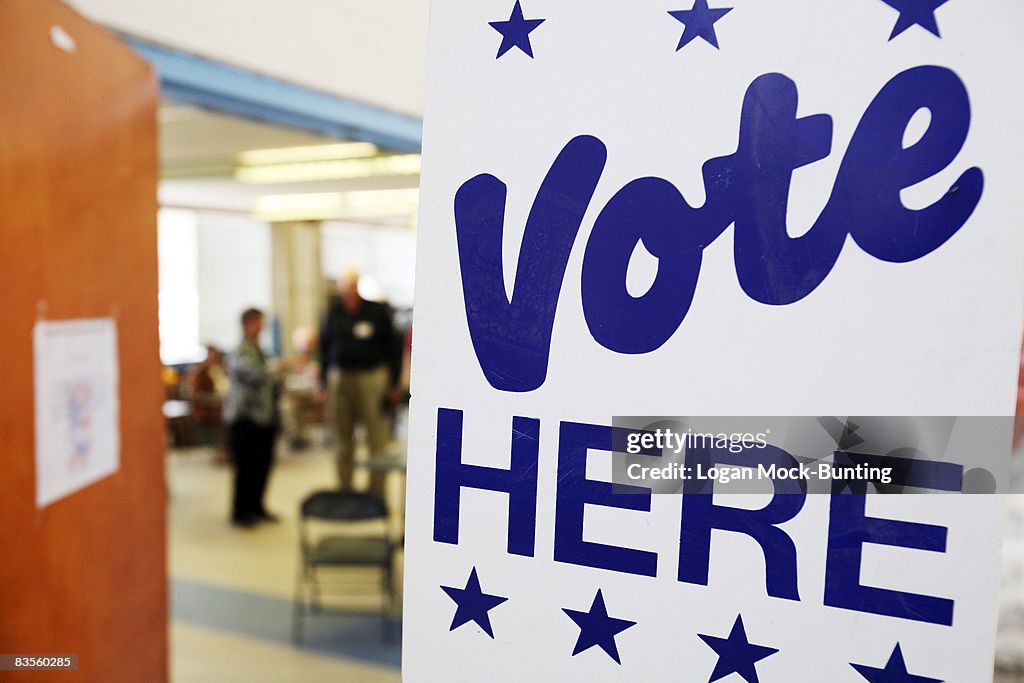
<point x="76" y="386"/>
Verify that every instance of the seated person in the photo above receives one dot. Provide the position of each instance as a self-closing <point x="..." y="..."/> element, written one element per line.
<point x="206" y="384"/>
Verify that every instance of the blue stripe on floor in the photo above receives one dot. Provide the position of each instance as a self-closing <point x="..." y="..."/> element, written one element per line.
<point x="265" y="617"/>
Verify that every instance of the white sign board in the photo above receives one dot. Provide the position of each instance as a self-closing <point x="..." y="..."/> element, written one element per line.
<point x="76" y="399"/>
<point x="709" y="207"/>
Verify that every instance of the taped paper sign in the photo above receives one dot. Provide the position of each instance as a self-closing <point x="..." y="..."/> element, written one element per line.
<point x="76" y="397"/>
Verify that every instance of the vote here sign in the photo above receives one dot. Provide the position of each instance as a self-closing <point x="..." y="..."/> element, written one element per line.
<point x="706" y="207"/>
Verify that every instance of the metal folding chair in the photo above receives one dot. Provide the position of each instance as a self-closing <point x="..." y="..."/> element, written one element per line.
<point x="337" y="545"/>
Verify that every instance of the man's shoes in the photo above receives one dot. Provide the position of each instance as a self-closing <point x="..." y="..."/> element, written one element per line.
<point x="252" y="520"/>
<point x="265" y="516"/>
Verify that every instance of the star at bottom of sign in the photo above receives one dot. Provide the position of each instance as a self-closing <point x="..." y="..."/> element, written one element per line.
<point x="473" y="604"/>
<point x="736" y="654"/>
<point x="895" y="671"/>
<point x="597" y="628"/>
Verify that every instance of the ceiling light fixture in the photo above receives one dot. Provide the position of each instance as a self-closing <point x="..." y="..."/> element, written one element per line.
<point x="337" y="205"/>
<point x="290" y="155"/>
<point x="345" y="169"/>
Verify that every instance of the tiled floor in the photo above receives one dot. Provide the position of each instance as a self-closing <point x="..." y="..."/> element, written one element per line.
<point x="205" y="654"/>
<point x="231" y="589"/>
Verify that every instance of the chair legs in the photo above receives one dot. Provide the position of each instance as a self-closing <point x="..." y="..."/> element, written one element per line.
<point x="299" y="607"/>
<point x="307" y="600"/>
<point x="388" y="609"/>
<point x="315" y="601"/>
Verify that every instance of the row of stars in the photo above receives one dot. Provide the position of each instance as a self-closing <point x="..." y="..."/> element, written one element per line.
<point x="736" y="654"/>
<point x="699" y="22"/>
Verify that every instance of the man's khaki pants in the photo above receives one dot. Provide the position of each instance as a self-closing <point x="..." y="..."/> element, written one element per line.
<point x="358" y="396"/>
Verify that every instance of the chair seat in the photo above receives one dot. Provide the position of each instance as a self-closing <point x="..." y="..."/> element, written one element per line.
<point x="343" y="506"/>
<point x="348" y="550"/>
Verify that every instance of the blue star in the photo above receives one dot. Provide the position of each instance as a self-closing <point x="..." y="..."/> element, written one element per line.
<point x="473" y="604"/>
<point x="736" y="654"/>
<point x="895" y="671"/>
<point x="516" y="32"/>
<point x="699" y="22"/>
<point x="920" y="12"/>
<point x="597" y="628"/>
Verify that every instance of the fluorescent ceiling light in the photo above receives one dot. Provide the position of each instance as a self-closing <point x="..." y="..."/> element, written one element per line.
<point x="333" y="205"/>
<point x="288" y="155"/>
<point x="345" y="169"/>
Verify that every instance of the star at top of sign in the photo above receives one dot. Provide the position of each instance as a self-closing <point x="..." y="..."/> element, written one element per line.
<point x="516" y="31"/>
<point x="473" y="604"/>
<point x="736" y="654"/>
<point x="919" y="12"/>
<point x="699" y="22"/>
<point x="597" y="628"/>
<point x="895" y="671"/>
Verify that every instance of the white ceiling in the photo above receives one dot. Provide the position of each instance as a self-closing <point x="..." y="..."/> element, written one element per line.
<point x="190" y="136"/>
<point x="198" y="150"/>
<point x="371" y="51"/>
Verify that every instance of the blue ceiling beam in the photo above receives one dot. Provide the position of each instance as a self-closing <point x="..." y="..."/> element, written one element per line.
<point x="203" y="82"/>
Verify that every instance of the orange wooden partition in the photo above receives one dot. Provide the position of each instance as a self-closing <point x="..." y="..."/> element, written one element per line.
<point x="78" y="171"/>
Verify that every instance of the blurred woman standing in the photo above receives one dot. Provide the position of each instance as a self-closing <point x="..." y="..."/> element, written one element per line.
<point x="250" y="412"/>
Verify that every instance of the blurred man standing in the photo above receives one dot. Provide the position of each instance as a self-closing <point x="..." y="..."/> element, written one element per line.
<point x="360" y="372"/>
<point x="250" y="413"/>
